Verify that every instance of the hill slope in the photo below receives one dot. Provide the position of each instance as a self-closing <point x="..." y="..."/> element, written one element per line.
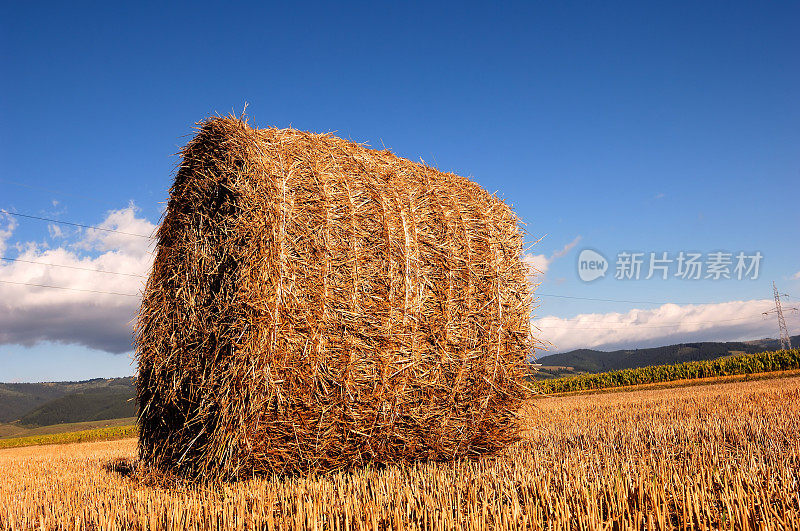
<point x="19" y="399"/>
<point x="588" y="360"/>
<point x="94" y="404"/>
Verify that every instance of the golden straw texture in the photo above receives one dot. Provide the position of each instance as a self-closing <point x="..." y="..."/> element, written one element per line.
<point x="317" y="305"/>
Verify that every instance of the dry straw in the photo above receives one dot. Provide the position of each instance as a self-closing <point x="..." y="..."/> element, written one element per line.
<point x="316" y="305"/>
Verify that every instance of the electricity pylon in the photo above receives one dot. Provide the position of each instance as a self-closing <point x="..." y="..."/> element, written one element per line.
<point x="786" y="341"/>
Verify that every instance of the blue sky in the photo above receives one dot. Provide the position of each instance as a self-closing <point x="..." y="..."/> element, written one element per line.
<point x="614" y="126"/>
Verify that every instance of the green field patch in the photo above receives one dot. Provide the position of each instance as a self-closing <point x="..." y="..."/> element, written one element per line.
<point x="762" y="362"/>
<point x="16" y="430"/>
<point x="100" y="434"/>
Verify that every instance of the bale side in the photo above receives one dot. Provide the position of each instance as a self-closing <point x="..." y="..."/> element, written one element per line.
<point x="317" y="305"/>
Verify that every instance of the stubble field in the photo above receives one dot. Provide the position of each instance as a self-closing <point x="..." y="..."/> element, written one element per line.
<point x="723" y="455"/>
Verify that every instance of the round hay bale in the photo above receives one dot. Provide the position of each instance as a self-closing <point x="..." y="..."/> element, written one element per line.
<point x="316" y="305"/>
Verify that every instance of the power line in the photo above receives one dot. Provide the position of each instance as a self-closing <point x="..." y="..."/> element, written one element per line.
<point x="615" y="300"/>
<point x="143" y="276"/>
<point x="623" y="326"/>
<point x="71" y="267"/>
<point x="70" y="289"/>
<point x="73" y="224"/>
<point x="539" y="294"/>
<point x="600" y="322"/>
<point x="571" y="297"/>
<point x="626" y="327"/>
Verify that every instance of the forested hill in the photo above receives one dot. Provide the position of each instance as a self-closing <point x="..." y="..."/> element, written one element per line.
<point x="58" y="402"/>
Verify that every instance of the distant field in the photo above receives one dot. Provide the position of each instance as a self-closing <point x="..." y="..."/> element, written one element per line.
<point x="546" y="372"/>
<point x="121" y="430"/>
<point x="8" y="431"/>
<point x="712" y="456"/>
<point x="690" y="382"/>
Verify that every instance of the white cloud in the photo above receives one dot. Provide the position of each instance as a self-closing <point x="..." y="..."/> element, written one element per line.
<point x="10" y="224"/>
<point x="537" y="262"/>
<point x="670" y="323"/>
<point x="97" y="320"/>
<point x="567" y="248"/>
<point x="540" y="263"/>
<point x="55" y="231"/>
<point x="796" y="276"/>
<point x="122" y="221"/>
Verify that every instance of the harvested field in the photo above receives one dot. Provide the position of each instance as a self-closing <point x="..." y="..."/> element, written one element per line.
<point x="725" y="455"/>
